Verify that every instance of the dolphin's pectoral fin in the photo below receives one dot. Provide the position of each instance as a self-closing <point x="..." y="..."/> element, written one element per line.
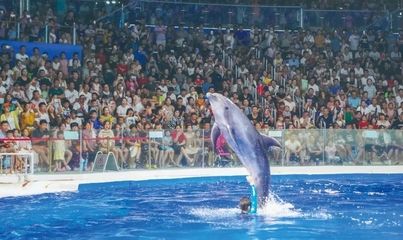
<point x="269" y="142"/>
<point x="215" y="133"/>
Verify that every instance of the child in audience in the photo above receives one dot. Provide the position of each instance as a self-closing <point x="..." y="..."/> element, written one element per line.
<point x="59" y="150"/>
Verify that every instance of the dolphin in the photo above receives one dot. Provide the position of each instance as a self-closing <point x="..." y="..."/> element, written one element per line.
<point x="248" y="144"/>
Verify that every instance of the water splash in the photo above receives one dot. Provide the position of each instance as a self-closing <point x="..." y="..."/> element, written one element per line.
<point x="214" y="213"/>
<point x="275" y="208"/>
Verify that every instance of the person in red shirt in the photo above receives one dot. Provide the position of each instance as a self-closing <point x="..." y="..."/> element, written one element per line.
<point x="363" y="123"/>
<point x="178" y="135"/>
<point x="372" y="124"/>
<point x="198" y="81"/>
<point x="179" y="139"/>
<point x="121" y="68"/>
<point x="142" y="80"/>
<point x="101" y="56"/>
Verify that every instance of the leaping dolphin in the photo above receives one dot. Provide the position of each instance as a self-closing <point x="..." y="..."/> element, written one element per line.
<point x="247" y="143"/>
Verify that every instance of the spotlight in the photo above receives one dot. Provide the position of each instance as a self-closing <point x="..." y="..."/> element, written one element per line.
<point x="108" y="2"/>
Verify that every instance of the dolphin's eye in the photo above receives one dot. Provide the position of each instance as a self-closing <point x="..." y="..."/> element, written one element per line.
<point x="226" y="108"/>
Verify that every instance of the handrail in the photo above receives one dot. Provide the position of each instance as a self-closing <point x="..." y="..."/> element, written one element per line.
<point x="216" y="4"/>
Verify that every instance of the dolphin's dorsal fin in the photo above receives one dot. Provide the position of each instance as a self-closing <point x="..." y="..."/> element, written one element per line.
<point x="215" y="133"/>
<point x="269" y="142"/>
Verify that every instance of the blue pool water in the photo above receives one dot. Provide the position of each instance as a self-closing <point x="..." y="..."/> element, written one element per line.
<point x="302" y="207"/>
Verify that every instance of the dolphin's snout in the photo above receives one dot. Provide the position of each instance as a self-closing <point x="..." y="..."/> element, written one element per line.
<point x="210" y="97"/>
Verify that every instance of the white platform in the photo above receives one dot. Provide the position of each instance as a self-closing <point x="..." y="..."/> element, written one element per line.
<point x="19" y="185"/>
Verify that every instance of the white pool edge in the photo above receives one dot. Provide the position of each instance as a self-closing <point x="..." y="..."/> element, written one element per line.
<point x="19" y="185"/>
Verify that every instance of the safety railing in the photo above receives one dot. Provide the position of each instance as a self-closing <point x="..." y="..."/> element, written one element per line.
<point x="98" y="150"/>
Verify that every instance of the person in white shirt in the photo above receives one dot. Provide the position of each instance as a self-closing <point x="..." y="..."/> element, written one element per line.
<point x="363" y="109"/>
<point x="400" y="109"/>
<point x="347" y="54"/>
<point x="344" y="71"/>
<point x="42" y="113"/>
<point x="56" y="64"/>
<point x="354" y="40"/>
<point x="374" y="107"/>
<point x="229" y="39"/>
<point x="370" y="88"/>
<point x="289" y="102"/>
<point x="75" y="59"/>
<point x="33" y="86"/>
<point x="375" y="55"/>
<point x="3" y="90"/>
<point x="81" y="103"/>
<point x="243" y="71"/>
<point x="128" y="57"/>
<point x="395" y="55"/>
<point x="358" y="70"/>
<point x="71" y="94"/>
<point x="274" y="88"/>
<point x="365" y="78"/>
<point x="75" y="118"/>
<point x="399" y="98"/>
<point x="293" y="147"/>
<point x="309" y="38"/>
<point x="21" y="55"/>
<point x="36" y="99"/>
<point x="312" y="84"/>
<point x="122" y="108"/>
<point x="86" y="92"/>
<point x="137" y="103"/>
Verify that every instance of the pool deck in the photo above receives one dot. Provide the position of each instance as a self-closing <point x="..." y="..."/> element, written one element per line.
<point x="20" y="185"/>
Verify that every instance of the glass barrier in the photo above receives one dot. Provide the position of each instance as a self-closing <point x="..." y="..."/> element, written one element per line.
<point x="278" y="17"/>
<point x="397" y="20"/>
<point x="90" y="150"/>
<point x="38" y="32"/>
<point x="207" y="16"/>
<point x="213" y="15"/>
<point x="345" y="19"/>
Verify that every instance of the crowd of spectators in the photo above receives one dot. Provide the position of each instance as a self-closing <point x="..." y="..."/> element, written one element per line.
<point x="137" y="78"/>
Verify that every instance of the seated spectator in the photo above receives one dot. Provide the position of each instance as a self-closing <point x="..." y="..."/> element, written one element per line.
<point x="107" y="143"/>
<point x="89" y="144"/>
<point x="293" y="149"/>
<point x="106" y="116"/>
<point x="398" y="123"/>
<point x="331" y="152"/>
<point x="134" y="145"/>
<point x="11" y="117"/>
<point x="382" y="121"/>
<point x="187" y="144"/>
<point x="40" y="143"/>
<point x="314" y="149"/>
<point x="166" y="150"/>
